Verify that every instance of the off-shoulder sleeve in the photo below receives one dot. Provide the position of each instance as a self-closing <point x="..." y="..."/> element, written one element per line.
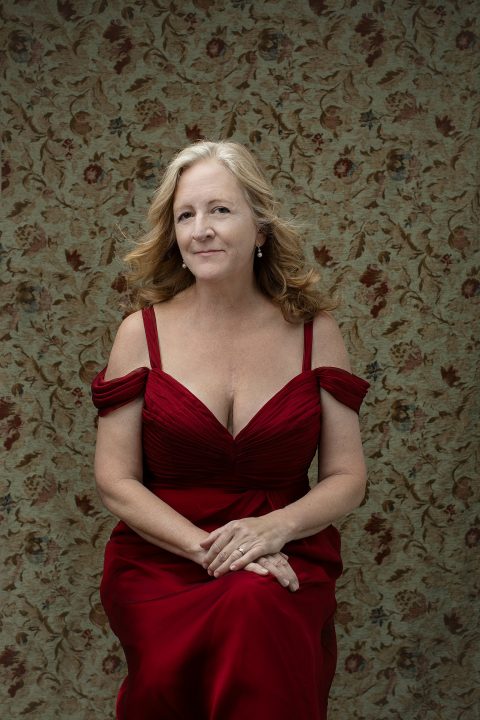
<point x="345" y="387"/>
<point x="108" y="395"/>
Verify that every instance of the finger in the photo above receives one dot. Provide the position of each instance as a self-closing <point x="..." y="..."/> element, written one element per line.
<point x="240" y="562"/>
<point x="256" y="568"/>
<point x="221" y="558"/>
<point x="207" y="542"/>
<point x="283" y="572"/>
<point x="231" y="558"/>
<point x="286" y="577"/>
<point x="218" y="546"/>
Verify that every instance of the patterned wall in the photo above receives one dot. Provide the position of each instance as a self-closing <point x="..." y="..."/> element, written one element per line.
<point x="365" y="116"/>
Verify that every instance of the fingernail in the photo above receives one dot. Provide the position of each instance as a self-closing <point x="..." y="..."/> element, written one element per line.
<point x="295" y="587"/>
<point x="285" y="582"/>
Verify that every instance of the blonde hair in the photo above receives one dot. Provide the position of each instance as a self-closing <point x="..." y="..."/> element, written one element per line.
<point x="156" y="272"/>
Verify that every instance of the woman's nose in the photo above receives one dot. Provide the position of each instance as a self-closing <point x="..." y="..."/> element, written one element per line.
<point x="202" y="228"/>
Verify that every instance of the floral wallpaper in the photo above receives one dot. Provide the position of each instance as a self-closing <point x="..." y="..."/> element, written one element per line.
<point x="365" y="116"/>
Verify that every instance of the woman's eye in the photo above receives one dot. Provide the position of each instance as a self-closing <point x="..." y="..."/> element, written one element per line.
<point x="183" y="216"/>
<point x="222" y="210"/>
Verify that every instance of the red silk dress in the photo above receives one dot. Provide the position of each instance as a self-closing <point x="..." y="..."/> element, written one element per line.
<point x="238" y="647"/>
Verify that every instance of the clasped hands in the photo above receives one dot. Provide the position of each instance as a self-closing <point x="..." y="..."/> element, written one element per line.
<point x="261" y="539"/>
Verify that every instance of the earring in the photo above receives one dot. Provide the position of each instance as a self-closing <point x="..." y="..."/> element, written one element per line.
<point x="183" y="266"/>
<point x="259" y="251"/>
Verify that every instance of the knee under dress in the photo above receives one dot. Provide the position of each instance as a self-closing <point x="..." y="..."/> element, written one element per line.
<point x="238" y="647"/>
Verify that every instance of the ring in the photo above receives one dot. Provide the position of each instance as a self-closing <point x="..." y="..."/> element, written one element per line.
<point x="241" y="550"/>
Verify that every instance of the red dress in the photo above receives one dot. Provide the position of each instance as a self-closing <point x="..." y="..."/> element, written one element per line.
<point x="240" y="646"/>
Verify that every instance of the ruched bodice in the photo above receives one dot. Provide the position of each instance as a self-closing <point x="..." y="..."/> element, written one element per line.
<point x="185" y="444"/>
<point x="193" y="463"/>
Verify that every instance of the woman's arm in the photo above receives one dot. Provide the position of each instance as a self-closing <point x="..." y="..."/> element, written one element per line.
<point x="341" y="475"/>
<point x="118" y="459"/>
<point x="118" y="475"/>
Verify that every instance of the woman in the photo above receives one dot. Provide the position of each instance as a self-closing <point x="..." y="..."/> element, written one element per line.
<point x="219" y="579"/>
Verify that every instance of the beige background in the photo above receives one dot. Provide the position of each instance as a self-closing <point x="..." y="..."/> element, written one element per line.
<point x="365" y="116"/>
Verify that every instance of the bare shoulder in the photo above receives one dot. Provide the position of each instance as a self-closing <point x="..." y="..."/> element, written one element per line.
<point x="129" y="350"/>
<point x="328" y="345"/>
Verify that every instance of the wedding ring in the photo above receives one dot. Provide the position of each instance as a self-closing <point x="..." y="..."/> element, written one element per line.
<point x="241" y="550"/>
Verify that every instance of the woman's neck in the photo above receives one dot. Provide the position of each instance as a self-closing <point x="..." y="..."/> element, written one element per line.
<point x="224" y="302"/>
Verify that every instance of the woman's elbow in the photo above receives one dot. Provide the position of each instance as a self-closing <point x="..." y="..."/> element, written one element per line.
<point x="116" y="493"/>
<point x="109" y="489"/>
<point x="103" y="491"/>
<point x="359" y="488"/>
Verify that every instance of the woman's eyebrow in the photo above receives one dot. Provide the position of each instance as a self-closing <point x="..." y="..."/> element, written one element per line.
<point x="220" y="200"/>
<point x="224" y="201"/>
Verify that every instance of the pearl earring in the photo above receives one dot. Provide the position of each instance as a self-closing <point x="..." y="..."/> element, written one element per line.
<point x="183" y="266"/>
<point x="259" y="251"/>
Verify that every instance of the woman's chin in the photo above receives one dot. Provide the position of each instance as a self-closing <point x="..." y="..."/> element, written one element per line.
<point x="204" y="275"/>
<point x="220" y="270"/>
<point x="204" y="271"/>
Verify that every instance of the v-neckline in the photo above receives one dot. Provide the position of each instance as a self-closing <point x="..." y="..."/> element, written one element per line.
<point x="233" y="438"/>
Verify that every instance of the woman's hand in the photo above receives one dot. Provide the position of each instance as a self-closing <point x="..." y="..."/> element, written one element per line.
<point x="277" y="565"/>
<point x="239" y="542"/>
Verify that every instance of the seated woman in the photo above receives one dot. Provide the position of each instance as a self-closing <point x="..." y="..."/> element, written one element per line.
<point x="219" y="578"/>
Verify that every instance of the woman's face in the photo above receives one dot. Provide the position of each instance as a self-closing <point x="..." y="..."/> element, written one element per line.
<point x="214" y="224"/>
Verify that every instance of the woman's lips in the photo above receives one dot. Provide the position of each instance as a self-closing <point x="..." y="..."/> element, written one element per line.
<point x="207" y="252"/>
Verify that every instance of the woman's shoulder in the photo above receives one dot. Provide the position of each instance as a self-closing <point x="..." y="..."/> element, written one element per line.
<point x="328" y="346"/>
<point x="129" y="349"/>
<point x="131" y="329"/>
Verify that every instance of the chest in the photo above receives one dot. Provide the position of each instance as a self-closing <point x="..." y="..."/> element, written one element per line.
<point x="234" y="374"/>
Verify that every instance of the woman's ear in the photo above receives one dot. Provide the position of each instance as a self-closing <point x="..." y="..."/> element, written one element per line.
<point x="262" y="233"/>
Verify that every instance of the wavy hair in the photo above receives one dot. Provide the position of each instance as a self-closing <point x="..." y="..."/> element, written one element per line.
<point x="155" y="271"/>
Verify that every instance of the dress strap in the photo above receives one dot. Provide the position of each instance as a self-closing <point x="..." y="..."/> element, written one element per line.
<point x="307" y="345"/>
<point x="151" y="333"/>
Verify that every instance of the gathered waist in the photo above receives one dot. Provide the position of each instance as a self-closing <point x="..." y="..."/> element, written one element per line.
<point x="228" y="484"/>
<point x="213" y="505"/>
